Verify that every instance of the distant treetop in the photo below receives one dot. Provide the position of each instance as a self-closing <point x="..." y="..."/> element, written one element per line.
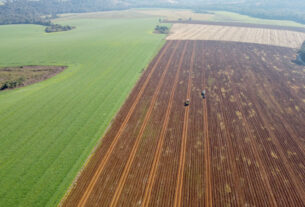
<point x="302" y="52"/>
<point x="31" y="11"/>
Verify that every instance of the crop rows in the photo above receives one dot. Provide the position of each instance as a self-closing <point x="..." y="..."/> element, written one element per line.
<point x="242" y="145"/>
<point x="284" y="38"/>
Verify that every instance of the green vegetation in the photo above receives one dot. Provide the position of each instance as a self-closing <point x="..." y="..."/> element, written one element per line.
<point x="202" y="11"/>
<point x="161" y="29"/>
<point x="12" y="84"/>
<point x="262" y="13"/>
<point x="27" y="11"/>
<point x="21" y="12"/>
<point x="273" y="9"/>
<point x="58" y="28"/>
<point x="215" y="16"/>
<point x="292" y="10"/>
<point x="13" y="77"/>
<point x="302" y="52"/>
<point x="24" y="12"/>
<point x="42" y="11"/>
<point x="225" y="16"/>
<point x="38" y="12"/>
<point x="48" y="129"/>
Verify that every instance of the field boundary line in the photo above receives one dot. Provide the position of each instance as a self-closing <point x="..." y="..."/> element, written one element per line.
<point x="178" y="191"/>
<point x="157" y="156"/>
<point x="132" y="155"/>
<point x="239" y="24"/>
<point x="102" y="164"/>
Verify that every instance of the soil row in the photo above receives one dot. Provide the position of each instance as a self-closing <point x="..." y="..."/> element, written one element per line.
<point x="243" y="145"/>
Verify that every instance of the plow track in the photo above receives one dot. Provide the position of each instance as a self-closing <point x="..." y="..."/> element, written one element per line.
<point x="243" y="145"/>
<point x="138" y="139"/>
<point x="178" y="193"/>
<point x="152" y="174"/>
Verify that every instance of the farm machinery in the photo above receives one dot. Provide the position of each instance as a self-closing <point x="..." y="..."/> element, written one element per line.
<point x="187" y="102"/>
<point x="203" y="94"/>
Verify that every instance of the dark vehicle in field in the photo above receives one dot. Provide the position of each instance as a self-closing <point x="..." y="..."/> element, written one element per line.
<point x="203" y="94"/>
<point x="187" y="102"/>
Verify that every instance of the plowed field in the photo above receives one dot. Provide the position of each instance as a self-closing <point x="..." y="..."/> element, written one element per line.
<point x="243" y="145"/>
<point x="275" y="37"/>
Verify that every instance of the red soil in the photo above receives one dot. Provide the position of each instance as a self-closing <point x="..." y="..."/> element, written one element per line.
<point x="242" y="145"/>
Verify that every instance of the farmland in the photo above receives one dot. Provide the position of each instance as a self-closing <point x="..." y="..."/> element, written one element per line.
<point x="212" y="16"/>
<point x="11" y="77"/>
<point x="48" y="129"/>
<point x="243" y="145"/>
<point x="275" y="37"/>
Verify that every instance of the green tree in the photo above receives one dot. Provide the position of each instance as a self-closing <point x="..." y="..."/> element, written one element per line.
<point x="302" y="52"/>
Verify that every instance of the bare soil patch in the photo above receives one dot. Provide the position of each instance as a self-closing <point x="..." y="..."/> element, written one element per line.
<point x="15" y="77"/>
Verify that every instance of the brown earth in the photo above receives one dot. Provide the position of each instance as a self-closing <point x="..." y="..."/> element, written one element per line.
<point x="27" y="75"/>
<point x="243" y="145"/>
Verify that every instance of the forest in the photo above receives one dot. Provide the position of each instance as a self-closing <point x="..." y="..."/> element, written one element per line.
<point x="302" y="52"/>
<point x="263" y="11"/>
<point x="41" y="11"/>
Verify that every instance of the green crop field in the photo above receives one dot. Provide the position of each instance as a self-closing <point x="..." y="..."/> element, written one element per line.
<point x="214" y="16"/>
<point x="49" y="129"/>
<point x="224" y="16"/>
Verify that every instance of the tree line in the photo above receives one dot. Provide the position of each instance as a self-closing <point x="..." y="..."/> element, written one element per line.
<point x="161" y="29"/>
<point x="12" y="84"/>
<point x="302" y="52"/>
<point x="42" y="11"/>
<point x="21" y="12"/>
<point x="58" y="28"/>
<point x="293" y="10"/>
<point x="263" y="13"/>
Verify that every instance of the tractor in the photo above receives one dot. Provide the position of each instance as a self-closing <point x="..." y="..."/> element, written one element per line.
<point x="203" y="94"/>
<point x="187" y="102"/>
